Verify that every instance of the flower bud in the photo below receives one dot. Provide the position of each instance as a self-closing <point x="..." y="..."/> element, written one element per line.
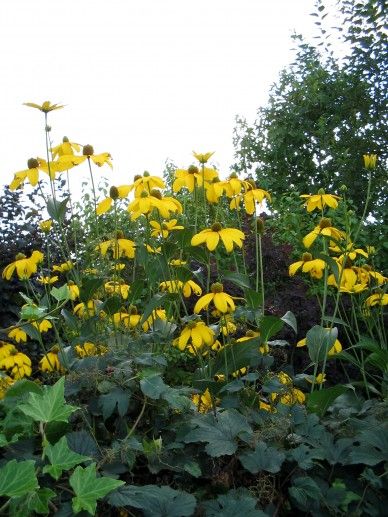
<point x="260" y="227"/>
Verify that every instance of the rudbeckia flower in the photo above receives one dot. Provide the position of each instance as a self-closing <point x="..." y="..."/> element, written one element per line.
<point x="177" y="262"/>
<point x="370" y="161"/>
<point x="147" y="202"/>
<point x="191" y="177"/>
<point x="171" y="286"/>
<point x="320" y="200"/>
<point x="120" y="247"/>
<point x="377" y="299"/>
<point x="6" y="349"/>
<point x="157" y="314"/>
<point x="309" y="265"/>
<point x="222" y="301"/>
<point x="147" y="183"/>
<point x="24" y="267"/>
<point x="88" y="349"/>
<point x="120" y="192"/>
<point x="323" y="228"/>
<point x="211" y="237"/>
<point x="87" y="310"/>
<point x="203" y="402"/>
<point x="290" y="395"/>
<point x="349" y="280"/>
<point x="46" y="225"/>
<point x="203" y="157"/>
<point x="64" y="267"/>
<point x="195" y="336"/>
<point x="65" y="148"/>
<point x="153" y="250"/>
<point x="18" y="335"/>
<point x="251" y="196"/>
<point x="319" y="379"/>
<point x="74" y="290"/>
<point x="190" y="287"/>
<point x="128" y="319"/>
<point x="47" y="280"/>
<point x="45" y="107"/>
<point x="234" y="185"/>
<point x="214" y="190"/>
<point x="5" y="383"/>
<point x="251" y="334"/>
<point x="117" y="288"/>
<point x="18" y="365"/>
<point x="42" y="326"/>
<point x="87" y="154"/>
<point x="50" y="362"/>
<point x="164" y="228"/>
<point x="31" y="173"/>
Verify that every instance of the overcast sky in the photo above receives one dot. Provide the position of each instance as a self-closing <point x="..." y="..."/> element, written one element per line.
<point x="145" y="80"/>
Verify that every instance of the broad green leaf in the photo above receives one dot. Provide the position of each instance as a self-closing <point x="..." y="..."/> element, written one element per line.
<point x="319" y="341"/>
<point x="60" y="293"/>
<point x="232" y="504"/>
<point x="57" y="209"/>
<point x="290" y="320"/>
<point x="61" y="458"/>
<point x="253" y="298"/>
<point x="219" y="432"/>
<point x="269" y="326"/>
<point x="262" y="458"/>
<point x="319" y="401"/>
<point x="155" y="501"/>
<point x="153" y="304"/>
<point x="305" y="456"/>
<point x="88" y="488"/>
<point x="88" y="287"/>
<point x="33" y="503"/>
<point x="18" y="478"/>
<point x="112" y="305"/>
<point x="50" y="406"/>
<point x="304" y="491"/>
<point x="70" y="320"/>
<point x="237" y="279"/>
<point x="114" y="398"/>
<point x="239" y="355"/>
<point x="153" y="386"/>
<point x="22" y="388"/>
<point x="31" y="312"/>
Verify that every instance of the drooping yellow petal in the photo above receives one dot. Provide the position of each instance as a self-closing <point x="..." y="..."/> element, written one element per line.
<point x="104" y="206"/>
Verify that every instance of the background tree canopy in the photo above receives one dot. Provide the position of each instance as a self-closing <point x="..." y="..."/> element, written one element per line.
<point x="325" y="113"/>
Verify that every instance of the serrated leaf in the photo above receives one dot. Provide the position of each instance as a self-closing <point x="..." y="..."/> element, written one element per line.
<point x="22" y="388"/>
<point x="220" y="432"/>
<point x="33" y="503"/>
<point x="155" y="501"/>
<point x="304" y="490"/>
<point x="305" y="456"/>
<point x="114" y="398"/>
<point x="262" y="458"/>
<point x="49" y="406"/>
<point x="233" y="503"/>
<point x="88" y="488"/>
<point x="61" y="458"/>
<point x="18" y="478"/>
<point x="154" y="303"/>
<point x="239" y="355"/>
<point x="60" y="293"/>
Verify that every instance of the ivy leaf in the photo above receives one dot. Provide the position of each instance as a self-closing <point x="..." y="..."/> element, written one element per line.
<point x="18" y="478"/>
<point x="262" y="458"/>
<point x="155" y="501"/>
<point x="233" y="503"/>
<point x="32" y="503"/>
<point x="220" y="432"/>
<point x="61" y="458"/>
<point x="49" y="406"/>
<point x="88" y="488"/>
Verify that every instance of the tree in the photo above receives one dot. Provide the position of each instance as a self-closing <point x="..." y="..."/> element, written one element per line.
<point x="325" y="113"/>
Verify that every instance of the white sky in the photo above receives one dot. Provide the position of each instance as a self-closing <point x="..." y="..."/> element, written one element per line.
<point x="144" y="80"/>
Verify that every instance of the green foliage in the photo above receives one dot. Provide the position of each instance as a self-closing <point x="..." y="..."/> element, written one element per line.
<point x="61" y="458"/>
<point x="18" y="478"/>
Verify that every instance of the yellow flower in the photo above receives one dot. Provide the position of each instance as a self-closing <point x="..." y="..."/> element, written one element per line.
<point x="309" y="265"/>
<point x="214" y="190"/>
<point x="190" y="287"/>
<point x="233" y="185"/>
<point x="69" y="160"/>
<point x="18" y="364"/>
<point x="191" y="177"/>
<point x="320" y="200"/>
<point x="46" y="280"/>
<point x="24" y="267"/>
<point x="50" y="361"/>
<point x="120" y="192"/>
<point x="42" y="326"/>
<point x="165" y="228"/>
<point x="157" y="314"/>
<point x="222" y="301"/>
<point x="74" y="290"/>
<point x="155" y="251"/>
<point x="377" y="299"/>
<point x="64" y="267"/>
<point x="172" y="286"/>
<point x="370" y="161"/>
<point x="227" y="325"/>
<point x="319" y="379"/>
<point x="18" y="334"/>
<point x="147" y="183"/>
<point x="251" y="334"/>
<point x="323" y="228"/>
<point x="65" y="148"/>
<point x="195" y="336"/>
<point x="117" y="288"/>
<point x="147" y="202"/>
<point x="202" y="157"/>
<point x="211" y="237"/>
<point x="203" y="402"/>
<point x="5" y="383"/>
<point x="89" y="349"/>
<point x="251" y="196"/>
<point x="128" y="319"/>
<point x="45" y="226"/>
<point x="6" y="349"/>
<point x="335" y="349"/>
<point x="349" y="280"/>
<point x="89" y="309"/>
<point x="120" y="247"/>
<point x="290" y="395"/>
<point x="177" y="262"/>
<point x="45" y="107"/>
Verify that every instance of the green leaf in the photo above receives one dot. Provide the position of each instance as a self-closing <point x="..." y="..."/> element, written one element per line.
<point x="88" y="488"/>
<point x="253" y="298"/>
<point x="22" y="388"/>
<point x="153" y="304"/>
<point x="153" y="386"/>
<point x="262" y="458"/>
<point x="49" y="406"/>
<point x="235" y="502"/>
<point x="290" y="320"/>
<point x="319" y="341"/>
<point x="239" y="355"/>
<point x="32" y="503"/>
<point x="18" y="478"/>
<point x="60" y="293"/>
<point x="57" y="209"/>
<point x="70" y="320"/>
<point x="220" y="432"/>
<point x="32" y="312"/>
<point x="115" y="398"/>
<point x="269" y="326"/>
<point x="61" y="458"/>
<point x="303" y="491"/>
<point x="89" y="287"/>
<point x="319" y="401"/>
<point x="155" y="501"/>
<point x="332" y="265"/>
<point x="112" y="305"/>
<point x="305" y="456"/>
<point x="237" y="279"/>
